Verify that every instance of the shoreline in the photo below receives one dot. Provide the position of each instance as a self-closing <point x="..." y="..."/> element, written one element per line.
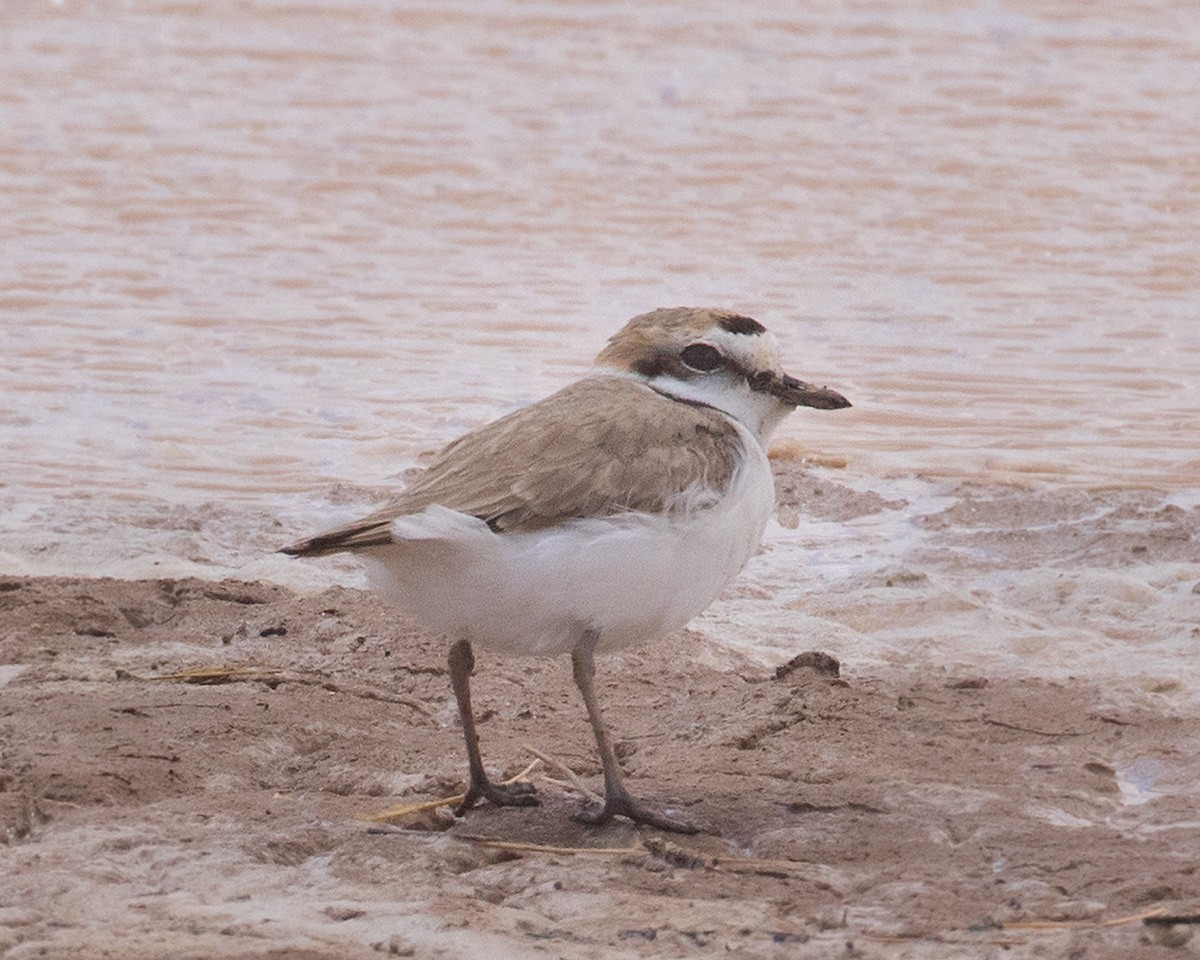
<point x="1043" y="581"/>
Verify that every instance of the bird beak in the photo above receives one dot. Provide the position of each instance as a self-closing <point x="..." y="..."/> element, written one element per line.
<point x="796" y="393"/>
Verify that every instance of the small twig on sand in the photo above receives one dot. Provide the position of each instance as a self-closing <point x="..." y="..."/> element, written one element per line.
<point x="1040" y="733"/>
<point x="1017" y="727"/>
<point x="363" y="694"/>
<point x="1167" y="919"/>
<point x="214" y="675"/>
<point x="566" y="771"/>
<point x="1149" y="915"/>
<point x="496" y="843"/>
<point x="406" y="809"/>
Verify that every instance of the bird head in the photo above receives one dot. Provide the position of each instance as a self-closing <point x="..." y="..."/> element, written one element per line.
<point x="715" y="358"/>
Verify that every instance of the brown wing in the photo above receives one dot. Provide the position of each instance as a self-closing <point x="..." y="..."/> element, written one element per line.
<point x="601" y="446"/>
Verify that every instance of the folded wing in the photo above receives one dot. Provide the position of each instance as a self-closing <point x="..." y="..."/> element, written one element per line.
<point x="601" y="446"/>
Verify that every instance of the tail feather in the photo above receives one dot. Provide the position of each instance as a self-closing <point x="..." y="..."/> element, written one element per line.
<point x="344" y="538"/>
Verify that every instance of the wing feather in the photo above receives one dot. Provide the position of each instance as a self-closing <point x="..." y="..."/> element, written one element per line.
<point x="603" y="445"/>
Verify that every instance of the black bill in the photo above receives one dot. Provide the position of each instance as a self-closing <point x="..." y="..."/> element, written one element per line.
<point x="797" y="393"/>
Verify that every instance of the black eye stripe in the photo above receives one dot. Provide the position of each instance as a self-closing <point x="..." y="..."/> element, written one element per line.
<point x="701" y="356"/>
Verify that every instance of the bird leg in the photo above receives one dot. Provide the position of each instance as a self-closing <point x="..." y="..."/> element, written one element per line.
<point x="617" y="801"/>
<point x="462" y="663"/>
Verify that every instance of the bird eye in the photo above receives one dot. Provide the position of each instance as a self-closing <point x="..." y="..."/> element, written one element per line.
<point x="701" y="357"/>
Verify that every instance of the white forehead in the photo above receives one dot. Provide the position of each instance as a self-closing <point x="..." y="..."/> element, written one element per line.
<point x="752" y="351"/>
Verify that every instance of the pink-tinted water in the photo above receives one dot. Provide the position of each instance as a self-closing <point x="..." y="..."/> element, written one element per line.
<point x="254" y="249"/>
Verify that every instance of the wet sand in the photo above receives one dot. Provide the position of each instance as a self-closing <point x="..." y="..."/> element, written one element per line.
<point x="916" y="808"/>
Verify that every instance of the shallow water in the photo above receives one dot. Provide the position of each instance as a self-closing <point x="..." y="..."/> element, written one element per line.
<point x="255" y="251"/>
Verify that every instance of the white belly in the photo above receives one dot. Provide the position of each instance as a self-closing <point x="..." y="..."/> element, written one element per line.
<point x="631" y="577"/>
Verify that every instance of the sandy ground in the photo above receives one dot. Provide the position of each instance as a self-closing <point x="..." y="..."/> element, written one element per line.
<point x="884" y="810"/>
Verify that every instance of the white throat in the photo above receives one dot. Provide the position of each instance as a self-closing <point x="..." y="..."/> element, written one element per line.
<point x="759" y="412"/>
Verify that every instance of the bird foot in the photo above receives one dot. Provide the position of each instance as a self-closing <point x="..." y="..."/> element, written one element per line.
<point x="516" y="794"/>
<point x="623" y="805"/>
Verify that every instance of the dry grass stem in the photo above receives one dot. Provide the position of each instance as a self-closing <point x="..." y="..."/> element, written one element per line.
<point x="496" y="843"/>
<point x="219" y="674"/>
<point x="566" y="771"/>
<point x="1078" y="924"/>
<point x="407" y="809"/>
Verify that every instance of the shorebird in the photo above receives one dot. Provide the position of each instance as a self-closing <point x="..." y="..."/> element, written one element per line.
<point x="608" y="513"/>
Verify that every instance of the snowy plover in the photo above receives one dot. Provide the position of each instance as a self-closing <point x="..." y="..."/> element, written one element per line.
<point x="612" y="511"/>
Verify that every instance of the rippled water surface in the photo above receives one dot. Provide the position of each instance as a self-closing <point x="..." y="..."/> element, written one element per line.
<point x="254" y="250"/>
